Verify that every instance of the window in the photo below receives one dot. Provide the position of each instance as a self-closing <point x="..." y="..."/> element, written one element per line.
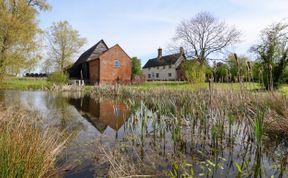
<point x="163" y="67"/>
<point x="149" y="75"/>
<point x="116" y="63"/>
<point x="169" y="75"/>
<point x="157" y="75"/>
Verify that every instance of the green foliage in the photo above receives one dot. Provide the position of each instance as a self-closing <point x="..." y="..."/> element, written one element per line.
<point x="272" y="50"/>
<point x="19" y="34"/>
<point x="284" y="78"/>
<point x="194" y="71"/>
<point x="257" y="67"/>
<point x="231" y="62"/>
<point x="63" y="43"/>
<point x="220" y="72"/>
<point x="258" y="128"/>
<point x="136" y="66"/>
<point x="58" y="77"/>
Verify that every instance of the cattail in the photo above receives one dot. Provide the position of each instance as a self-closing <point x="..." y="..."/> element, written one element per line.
<point x="238" y="67"/>
<point x="249" y="71"/>
<point x="260" y="76"/>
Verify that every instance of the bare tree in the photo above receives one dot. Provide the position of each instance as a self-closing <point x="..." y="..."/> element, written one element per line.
<point x="205" y="35"/>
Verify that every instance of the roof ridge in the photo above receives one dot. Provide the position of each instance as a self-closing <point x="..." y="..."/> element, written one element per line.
<point x="164" y="60"/>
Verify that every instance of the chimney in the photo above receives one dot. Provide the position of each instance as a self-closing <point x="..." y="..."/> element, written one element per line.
<point x="181" y="50"/>
<point x="159" y="53"/>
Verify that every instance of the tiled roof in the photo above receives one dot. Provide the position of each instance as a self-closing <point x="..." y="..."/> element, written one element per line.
<point x="164" y="60"/>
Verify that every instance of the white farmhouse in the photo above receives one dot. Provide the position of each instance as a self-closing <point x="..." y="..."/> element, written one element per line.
<point x="165" y="67"/>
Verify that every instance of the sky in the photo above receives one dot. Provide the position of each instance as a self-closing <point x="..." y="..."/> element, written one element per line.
<point x="140" y="27"/>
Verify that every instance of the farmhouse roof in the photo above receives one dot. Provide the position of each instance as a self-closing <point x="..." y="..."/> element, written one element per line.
<point x="163" y="60"/>
<point x="85" y="56"/>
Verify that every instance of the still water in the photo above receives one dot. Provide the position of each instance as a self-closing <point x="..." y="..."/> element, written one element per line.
<point x="109" y="122"/>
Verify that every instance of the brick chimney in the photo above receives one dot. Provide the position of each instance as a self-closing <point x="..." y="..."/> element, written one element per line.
<point x="181" y="50"/>
<point x="159" y="53"/>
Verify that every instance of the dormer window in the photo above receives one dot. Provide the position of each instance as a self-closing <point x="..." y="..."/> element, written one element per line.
<point x="116" y="63"/>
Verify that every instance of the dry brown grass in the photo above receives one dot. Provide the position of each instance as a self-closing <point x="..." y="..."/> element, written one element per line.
<point x="25" y="149"/>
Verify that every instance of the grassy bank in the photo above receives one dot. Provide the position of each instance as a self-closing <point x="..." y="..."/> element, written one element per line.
<point x="41" y="83"/>
<point x="24" y="83"/>
<point x="180" y="85"/>
<point x="25" y="149"/>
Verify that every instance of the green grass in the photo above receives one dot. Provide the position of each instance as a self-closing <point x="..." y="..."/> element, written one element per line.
<point x="284" y="88"/>
<point x="24" y="83"/>
<point x="175" y="85"/>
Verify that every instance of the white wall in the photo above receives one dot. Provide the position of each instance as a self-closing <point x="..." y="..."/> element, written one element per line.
<point x="163" y="73"/>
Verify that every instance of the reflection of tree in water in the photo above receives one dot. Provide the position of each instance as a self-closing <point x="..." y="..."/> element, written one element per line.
<point x="60" y="110"/>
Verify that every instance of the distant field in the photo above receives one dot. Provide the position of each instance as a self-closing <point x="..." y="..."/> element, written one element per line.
<point x="24" y="83"/>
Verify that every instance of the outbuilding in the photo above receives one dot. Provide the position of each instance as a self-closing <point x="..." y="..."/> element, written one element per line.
<point x="101" y="64"/>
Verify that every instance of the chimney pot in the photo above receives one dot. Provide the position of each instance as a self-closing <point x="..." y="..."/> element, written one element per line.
<point x="181" y="50"/>
<point x="159" y="53"/>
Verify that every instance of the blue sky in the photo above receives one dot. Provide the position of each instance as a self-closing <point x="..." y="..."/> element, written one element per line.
<point x="142" y="26"/>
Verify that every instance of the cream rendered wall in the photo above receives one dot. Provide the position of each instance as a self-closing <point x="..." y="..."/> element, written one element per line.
<point x="163" y="73"/>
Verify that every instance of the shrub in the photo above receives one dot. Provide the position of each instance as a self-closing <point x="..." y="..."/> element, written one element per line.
<point x="58" y="77"/>
<point x="194" y="71"/>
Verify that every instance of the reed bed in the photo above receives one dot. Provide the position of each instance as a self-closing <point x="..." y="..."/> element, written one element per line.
<point x="239" y="103"/>
<point x="218" y="120"/>
<point x="26" y="149"/>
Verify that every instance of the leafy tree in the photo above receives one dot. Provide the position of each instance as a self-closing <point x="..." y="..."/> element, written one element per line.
<point x="205" y="35"/>
<point x="284" y="79"/>
<point x="272" y="51"/>
<point x="63" y="43"/>
<point x="233" y="67"/>
<point x="136" y="66"/>
<point x="194" y="71"/>
<point x="221" y="72"/>
<point x="18" y="34"/>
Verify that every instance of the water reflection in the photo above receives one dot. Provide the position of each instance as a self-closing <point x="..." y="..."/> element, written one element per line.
<point x="154" y="136"/>
<point x="101" y="113"/>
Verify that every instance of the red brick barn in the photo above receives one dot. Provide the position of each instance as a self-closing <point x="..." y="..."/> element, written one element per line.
<point x="101" y="64"/>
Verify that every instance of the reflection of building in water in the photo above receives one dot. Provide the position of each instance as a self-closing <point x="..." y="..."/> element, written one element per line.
<point x="101" y="113"/>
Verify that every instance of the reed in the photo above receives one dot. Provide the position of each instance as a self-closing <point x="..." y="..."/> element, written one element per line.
<point x="25" y="150"/>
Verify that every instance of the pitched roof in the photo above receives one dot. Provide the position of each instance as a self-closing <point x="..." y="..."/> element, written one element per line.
<point x="164" y="60"/>
<point x="85" y="56"/>
<point x="116" y="45"/>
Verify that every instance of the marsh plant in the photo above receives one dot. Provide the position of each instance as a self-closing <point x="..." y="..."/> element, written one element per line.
<point x="230" y="124"/>
<point x="26" y="150"/>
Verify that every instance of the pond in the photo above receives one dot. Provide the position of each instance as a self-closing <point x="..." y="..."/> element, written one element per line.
<point x="221" y="147"/>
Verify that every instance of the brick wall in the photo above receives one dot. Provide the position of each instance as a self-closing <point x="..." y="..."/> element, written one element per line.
<point x="109" y="73"/>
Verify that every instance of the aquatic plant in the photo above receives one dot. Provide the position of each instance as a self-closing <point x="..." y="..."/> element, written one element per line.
<point x="25" y="150"/>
